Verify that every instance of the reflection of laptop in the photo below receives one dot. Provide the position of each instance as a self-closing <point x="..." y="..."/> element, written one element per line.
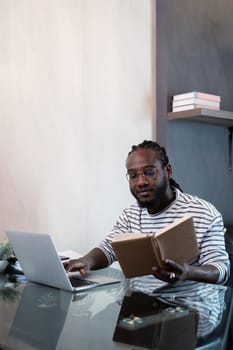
<point x="41" y="263"/>
<point x="40" y="306"/>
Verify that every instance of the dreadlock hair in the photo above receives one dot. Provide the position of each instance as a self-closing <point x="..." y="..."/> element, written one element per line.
<point x="162" y="156"/>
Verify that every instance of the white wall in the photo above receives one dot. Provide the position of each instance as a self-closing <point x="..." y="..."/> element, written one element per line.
<point x="75" y="94"/>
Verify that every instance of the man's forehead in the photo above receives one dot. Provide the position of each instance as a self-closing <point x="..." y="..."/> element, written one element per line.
<point x="142" y="157"/>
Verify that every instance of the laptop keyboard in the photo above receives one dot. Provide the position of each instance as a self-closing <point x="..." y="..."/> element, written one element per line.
<point x="79" y="282"/>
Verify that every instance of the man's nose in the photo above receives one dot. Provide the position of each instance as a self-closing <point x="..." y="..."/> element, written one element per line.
<point x="142" y="180"/>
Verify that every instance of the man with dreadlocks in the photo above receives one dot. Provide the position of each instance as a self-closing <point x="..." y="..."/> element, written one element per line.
<point x="160" y="201"/>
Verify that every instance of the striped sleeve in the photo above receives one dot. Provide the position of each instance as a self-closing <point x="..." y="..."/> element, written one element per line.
<point x="213" y="252"/>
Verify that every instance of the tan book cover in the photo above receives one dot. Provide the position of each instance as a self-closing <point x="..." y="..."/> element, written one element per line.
<point x="138" y="252"/>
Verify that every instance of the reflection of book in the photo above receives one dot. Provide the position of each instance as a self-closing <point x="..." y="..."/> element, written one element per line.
<point x="133" y="323"/>
<point x="138" y="252"/>
<point x="192" y="106"/>
<point x="196" y="94"/>
<point x="145" y="321"/>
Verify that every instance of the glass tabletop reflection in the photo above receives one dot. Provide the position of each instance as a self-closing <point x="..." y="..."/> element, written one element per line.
<point x="184" y="315"/>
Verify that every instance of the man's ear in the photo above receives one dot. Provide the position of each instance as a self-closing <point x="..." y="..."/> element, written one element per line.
<point x="169" y="170"/>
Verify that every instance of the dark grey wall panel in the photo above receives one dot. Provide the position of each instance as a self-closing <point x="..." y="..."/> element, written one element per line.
<point x="195" y="53"/>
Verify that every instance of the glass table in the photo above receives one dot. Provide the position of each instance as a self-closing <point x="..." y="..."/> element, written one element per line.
<point x="182" y="316"/>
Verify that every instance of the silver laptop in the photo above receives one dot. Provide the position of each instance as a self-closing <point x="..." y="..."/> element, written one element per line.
<point x="41" y="263"/>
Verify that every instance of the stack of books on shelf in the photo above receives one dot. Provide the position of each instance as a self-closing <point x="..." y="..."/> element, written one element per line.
<point x="194" y="99"/>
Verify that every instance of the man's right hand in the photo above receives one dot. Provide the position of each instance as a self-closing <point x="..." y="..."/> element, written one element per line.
<point x="93" y="260"/>
<point x="75" y="265"/>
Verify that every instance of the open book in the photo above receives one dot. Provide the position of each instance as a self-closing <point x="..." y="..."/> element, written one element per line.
<point x="138" y="252"/>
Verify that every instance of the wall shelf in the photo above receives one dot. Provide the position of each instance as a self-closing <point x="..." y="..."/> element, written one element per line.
<point x="208" y="116"/>
<point x="204" y="115"/>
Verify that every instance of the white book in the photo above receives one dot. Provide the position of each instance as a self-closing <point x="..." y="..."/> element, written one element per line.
<point x="199" y="101"/>
<point x="193" y="106"/>
<point x="196" y="94"/>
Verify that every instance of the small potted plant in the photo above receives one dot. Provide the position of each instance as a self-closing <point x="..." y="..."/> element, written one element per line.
<point x="6" y="252"/>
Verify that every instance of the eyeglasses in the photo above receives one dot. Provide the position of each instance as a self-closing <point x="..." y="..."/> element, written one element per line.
<point x="148" y="173"/>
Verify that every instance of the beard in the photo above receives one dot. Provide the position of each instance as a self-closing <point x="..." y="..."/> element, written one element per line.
<point x="157" y="195"/>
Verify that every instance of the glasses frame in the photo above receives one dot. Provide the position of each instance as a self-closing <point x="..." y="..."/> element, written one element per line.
<point x="127" y="175"/>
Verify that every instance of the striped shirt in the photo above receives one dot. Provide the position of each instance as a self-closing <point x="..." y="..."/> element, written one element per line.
<point x="208" y="224"/>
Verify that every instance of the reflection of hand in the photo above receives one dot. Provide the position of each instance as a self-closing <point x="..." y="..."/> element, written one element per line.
<point x="82" y="265"/>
